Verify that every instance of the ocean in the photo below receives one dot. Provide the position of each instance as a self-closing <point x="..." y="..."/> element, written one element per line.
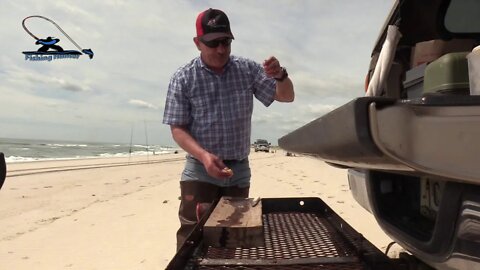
<point x="21" y="150"/>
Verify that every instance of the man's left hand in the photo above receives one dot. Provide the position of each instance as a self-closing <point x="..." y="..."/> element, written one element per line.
<point x="272" y="68"/>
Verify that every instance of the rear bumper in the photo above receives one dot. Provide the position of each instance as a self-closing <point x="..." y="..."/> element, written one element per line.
<point x="262" y="148"/>
<point x="434" y="135"/>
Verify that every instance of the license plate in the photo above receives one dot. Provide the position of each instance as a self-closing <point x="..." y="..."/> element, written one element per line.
<point x="430" y="196"/>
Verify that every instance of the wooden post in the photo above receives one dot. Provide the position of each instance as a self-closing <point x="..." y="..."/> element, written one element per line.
<point x="235" y="222"/>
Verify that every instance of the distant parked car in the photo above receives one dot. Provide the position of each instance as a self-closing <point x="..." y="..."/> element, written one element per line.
<point x="261" y="145"/>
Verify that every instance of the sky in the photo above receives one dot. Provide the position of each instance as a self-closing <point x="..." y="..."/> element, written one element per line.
<point x="119" y="95"/>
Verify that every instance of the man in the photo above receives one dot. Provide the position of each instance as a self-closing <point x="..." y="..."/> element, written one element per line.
<point x="49" y="43"/>
<point x="209" y="107"/>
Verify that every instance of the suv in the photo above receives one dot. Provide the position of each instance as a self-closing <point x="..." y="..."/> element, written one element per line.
<point x="412" y="147"/>
<point x="261" y="145"/>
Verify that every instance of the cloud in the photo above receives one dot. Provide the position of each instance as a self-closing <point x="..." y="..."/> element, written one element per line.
<point x="66" y="85"/>
<point x="142" y="104"/>
<point x="38" y="80"/>
<point x="292" y="115"/>
<point x="311" y="84"/>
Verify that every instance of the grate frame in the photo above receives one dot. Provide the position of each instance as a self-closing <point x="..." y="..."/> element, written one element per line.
<point x="300" y="233"/>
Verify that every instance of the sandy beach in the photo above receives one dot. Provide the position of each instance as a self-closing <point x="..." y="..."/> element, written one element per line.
<point x="121" y="213"/>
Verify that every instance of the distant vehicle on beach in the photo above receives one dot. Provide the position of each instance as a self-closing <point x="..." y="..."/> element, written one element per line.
<point x="261" y="145"/>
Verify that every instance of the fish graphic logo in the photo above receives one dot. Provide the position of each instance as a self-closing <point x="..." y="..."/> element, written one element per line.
<point x="49" y="49"/>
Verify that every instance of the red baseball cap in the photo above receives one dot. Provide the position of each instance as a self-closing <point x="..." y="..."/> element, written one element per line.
<point x="212" y="24"/>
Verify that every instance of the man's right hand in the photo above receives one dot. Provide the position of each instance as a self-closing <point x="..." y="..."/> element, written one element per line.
<point x="215" y="167"/>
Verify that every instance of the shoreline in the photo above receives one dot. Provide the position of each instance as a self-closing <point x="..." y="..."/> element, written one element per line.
<point x="118" y="155"/>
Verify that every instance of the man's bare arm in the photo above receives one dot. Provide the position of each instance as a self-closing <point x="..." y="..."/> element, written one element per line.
<point x="284" y="91"/>
<point x="183" y="138"/>
<point x="214" y="165"/>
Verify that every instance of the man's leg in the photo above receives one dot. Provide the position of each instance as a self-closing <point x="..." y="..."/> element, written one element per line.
<point x="193" y="192"/>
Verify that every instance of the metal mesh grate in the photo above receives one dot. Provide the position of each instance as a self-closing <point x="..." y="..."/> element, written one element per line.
<point x="293" y="237"/>
<point x="289" y="267"/>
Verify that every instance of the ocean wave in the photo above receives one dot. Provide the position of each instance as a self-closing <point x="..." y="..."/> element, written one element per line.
<point x="18" y="150"/>
<point x="11" y="159"/>
<point x="66" y="145"/>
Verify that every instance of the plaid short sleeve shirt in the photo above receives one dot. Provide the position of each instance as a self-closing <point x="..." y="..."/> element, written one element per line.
<point x="217" y="108"/>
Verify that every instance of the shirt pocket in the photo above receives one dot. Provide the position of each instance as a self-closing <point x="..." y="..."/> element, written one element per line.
<point x="243" y="102"/>
<point x="200" y="109"/>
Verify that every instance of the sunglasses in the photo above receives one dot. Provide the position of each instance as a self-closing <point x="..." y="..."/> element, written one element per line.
<point x="214" y="43"/>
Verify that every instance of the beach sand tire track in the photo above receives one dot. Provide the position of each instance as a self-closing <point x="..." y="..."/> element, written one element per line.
<point x="31" y="171"/>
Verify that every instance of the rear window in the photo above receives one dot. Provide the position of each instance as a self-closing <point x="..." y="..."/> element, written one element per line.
<point x="462" y="17"/>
